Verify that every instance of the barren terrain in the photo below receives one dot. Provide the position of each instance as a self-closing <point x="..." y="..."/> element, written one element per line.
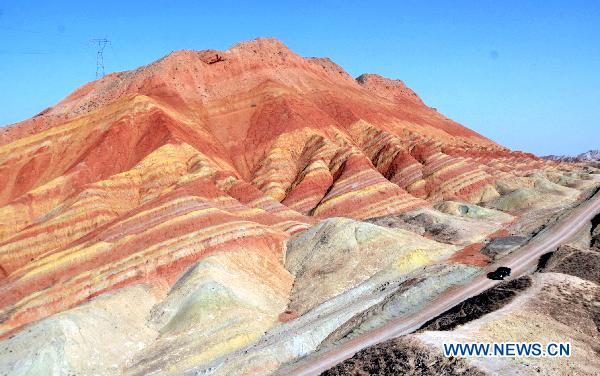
<point x="246" y="210"/>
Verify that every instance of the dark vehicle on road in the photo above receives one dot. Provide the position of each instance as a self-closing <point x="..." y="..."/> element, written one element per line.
<point x="499" y="274"/>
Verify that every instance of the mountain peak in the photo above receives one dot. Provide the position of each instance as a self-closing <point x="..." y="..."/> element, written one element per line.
<point x="395" y="90"/>
<point x="264" y="45"/>
<point x="196" y="80"/>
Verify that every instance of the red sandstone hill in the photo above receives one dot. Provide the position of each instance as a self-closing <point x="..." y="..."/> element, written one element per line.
<point x="137" y="175"/>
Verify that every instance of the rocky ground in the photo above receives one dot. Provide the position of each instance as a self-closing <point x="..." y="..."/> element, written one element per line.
<point x="402" y="356"/>
<point x="557" y="307"/>
<point x="340" y="278"/>
<point x="557" y="303"/>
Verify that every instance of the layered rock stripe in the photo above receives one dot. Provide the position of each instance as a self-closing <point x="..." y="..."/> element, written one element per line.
<point x="138" y="175"/>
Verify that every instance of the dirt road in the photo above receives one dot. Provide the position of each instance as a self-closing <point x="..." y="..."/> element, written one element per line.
<point x="521" y="261"/>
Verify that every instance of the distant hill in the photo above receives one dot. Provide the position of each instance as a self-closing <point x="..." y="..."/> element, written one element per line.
<point x="589" y="156"/>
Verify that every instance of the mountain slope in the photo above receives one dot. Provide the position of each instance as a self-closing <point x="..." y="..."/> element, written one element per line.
<point x="135" y="177"/>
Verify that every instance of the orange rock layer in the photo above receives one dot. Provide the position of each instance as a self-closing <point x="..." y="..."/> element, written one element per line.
<point x="136" y="176"/>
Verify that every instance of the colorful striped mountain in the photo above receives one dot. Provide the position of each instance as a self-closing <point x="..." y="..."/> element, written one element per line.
<point x="138" y="176"/>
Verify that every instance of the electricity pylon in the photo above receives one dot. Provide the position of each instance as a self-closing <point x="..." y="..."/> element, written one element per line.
<point x="101" y="42"/>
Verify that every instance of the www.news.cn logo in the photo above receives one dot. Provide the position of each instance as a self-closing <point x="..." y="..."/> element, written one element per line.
<point x="507" y="349"/>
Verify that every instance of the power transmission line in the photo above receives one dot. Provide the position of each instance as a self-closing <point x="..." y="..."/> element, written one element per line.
<point x="101" y="42"/>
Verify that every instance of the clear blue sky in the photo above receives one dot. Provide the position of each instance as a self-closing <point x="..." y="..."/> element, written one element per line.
<point x="524" y="73"/>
